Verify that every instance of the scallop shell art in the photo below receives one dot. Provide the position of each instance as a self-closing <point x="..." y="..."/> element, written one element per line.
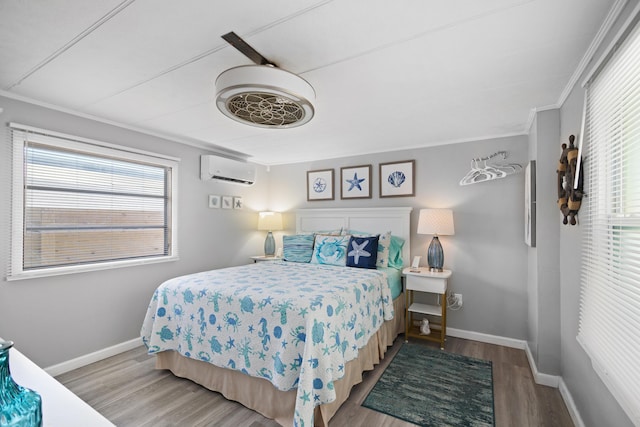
<point x="396" y="178"/>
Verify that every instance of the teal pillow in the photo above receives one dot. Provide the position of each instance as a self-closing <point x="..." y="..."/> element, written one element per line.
<point x="298" y="248"/>
<point x="395" y="252"/>
<point x="331" y="250"/>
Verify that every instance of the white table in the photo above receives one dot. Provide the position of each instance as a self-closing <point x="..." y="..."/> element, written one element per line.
<point x="423" y="280"/>
<point x="60" y="407"/>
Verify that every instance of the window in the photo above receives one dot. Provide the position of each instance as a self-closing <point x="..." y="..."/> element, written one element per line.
<point x="83" y="205"/>
<point x="609" y="328"/>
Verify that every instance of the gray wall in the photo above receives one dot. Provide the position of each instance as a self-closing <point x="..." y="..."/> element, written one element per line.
<point x="544" y="269"/>
<point x="488" y="255"/>
<point x="55" y="319"/>
<point x="532" y="261"/>
<point x="595" y="403"/>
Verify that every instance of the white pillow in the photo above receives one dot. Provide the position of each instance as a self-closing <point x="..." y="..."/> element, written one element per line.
<point x="383" y="250"/>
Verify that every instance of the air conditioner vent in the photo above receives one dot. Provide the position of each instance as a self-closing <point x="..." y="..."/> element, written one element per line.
<point x="227" y="170"/>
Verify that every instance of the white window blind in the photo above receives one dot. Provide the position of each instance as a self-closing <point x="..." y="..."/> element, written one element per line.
<point x="609" y="328"/>
<point x="78" y="205"/>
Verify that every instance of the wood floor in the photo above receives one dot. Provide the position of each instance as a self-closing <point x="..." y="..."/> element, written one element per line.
<point x="128" y="391"/>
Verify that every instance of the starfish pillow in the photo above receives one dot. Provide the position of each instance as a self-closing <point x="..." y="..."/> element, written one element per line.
<point x="362" y="252"/>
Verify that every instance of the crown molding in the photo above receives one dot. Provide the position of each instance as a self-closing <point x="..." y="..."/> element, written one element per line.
<point x="169" y="137"/>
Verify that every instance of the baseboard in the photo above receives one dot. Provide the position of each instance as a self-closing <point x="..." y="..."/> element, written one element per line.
<point x="96" y="356"/>
<point x="571" y="405"/>
<point x="554" y="381"/>
<point x="486" y="338"/>
<point x="539" y="377"/>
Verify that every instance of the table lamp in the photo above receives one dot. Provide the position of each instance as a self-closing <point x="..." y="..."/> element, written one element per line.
<point x="436" y="222"/>
<point x="270" y="221"/>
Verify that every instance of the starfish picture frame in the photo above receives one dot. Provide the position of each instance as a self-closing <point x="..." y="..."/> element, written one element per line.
<point x="355" y="182"/>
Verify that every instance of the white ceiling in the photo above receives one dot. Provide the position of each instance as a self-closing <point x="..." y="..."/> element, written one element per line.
<point x="388" y="74"/>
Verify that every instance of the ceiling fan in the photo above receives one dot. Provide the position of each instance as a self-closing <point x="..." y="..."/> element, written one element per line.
<point x="263" y="95"/>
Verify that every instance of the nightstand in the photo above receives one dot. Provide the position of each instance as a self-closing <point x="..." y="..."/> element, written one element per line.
<point x="260" y="258"/>
<point x="423" y="280"/>
<point x="59" y="405"/>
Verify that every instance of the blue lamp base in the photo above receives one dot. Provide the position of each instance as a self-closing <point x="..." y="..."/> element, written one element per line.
<point x="435" y="255"/>
<point x="269" y="245"/>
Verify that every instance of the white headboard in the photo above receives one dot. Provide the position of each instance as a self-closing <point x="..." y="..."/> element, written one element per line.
<point x="374" y="220"/>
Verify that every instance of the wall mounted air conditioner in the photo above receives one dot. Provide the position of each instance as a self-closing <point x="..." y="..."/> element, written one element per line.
<point x="228" y="170"/>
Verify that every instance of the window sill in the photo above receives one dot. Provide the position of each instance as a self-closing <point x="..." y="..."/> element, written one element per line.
<point x="59" y="271"/>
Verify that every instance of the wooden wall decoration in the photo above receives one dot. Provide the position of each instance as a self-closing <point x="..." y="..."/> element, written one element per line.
<point x="569" y="195"/>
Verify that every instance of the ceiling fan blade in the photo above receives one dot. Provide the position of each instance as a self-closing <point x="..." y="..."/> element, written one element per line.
<point x="234" y="40"/>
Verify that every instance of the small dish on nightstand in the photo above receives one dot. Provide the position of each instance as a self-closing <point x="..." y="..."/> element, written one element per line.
<point x="260" y="258"/>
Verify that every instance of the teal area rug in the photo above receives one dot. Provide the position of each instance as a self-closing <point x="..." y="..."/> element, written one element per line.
<point x="431" y="387"/>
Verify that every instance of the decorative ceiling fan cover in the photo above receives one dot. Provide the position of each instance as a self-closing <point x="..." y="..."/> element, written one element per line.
<point x="263" y="95"/>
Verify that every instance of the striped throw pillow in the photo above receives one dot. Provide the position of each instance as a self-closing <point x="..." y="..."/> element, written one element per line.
<point x="297" y="248"/>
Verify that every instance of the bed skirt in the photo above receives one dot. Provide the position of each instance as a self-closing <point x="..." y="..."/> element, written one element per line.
<point x="261" y="396"/>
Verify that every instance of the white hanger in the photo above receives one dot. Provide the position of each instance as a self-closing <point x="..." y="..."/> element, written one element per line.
<point x="496" y="173"/>
<point x="489" y="171"/>
<point x="475" y="175"/>
<point x="508" y="168"/>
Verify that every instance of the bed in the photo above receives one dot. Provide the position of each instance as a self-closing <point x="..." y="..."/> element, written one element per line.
<point x="286" y="339"/>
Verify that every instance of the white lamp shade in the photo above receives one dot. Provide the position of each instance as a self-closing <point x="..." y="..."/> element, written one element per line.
<point x="270" y="221"/>
<point x="436" y="221"/>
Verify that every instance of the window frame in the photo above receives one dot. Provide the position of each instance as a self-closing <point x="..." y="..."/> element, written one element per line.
<point x="609" y="313"/>
<point x="91" y="147"/>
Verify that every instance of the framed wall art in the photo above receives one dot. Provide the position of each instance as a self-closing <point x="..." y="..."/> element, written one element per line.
<point x="227" y="202"/>
<point x="238" y="203"/>
<point x="214" y="201"/>
<point x="397" y="179"/>
<point x="320" y="185"/>
<point x="355" y="182"/>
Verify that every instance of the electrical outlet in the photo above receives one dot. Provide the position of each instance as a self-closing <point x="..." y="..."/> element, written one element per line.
<point x="458" y="298"/>
<point x="454" y="301"/>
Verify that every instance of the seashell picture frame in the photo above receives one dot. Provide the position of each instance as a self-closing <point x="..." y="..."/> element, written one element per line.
<point x="397" y="179"/>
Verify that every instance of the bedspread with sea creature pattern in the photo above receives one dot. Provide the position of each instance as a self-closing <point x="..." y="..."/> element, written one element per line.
<point x="295" y="324"/>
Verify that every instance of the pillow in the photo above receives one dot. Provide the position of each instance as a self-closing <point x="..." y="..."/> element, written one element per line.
<point x="362" y="252"/>
<point x="337" y="232"/>
<point x="395" y="252"/>
<point x="384" y="242"/>
<point x="331" y="250"/>
<point x="383" y="246"/>
<point x="298" y="248"/>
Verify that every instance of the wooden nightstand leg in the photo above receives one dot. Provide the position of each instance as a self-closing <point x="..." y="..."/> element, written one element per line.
<point x="407" y="315"/>
<point x="444" y="321"/>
